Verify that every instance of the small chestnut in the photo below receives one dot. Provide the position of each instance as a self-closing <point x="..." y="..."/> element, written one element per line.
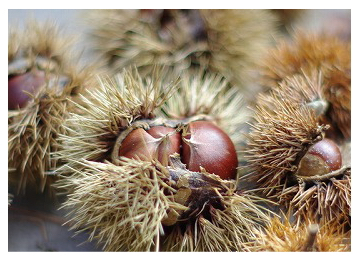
<point x="206" y="145"/>
<point x="321" y="158"/>
<point x="19" y="84"/>
<point x="159" y="142"/>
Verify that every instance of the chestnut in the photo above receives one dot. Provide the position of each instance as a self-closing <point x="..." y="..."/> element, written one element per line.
<point x="206" y="145"/>
<point x="321" y="158"/>
<point x="201" y="144"/>
<point x="159" y="142"/>
<point x="18" y="85"/>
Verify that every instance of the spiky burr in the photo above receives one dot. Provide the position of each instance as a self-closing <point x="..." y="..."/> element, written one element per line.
<point x="142" y="204"/>
<point x="285" y="234"/>
<point x="318" y="68"/>
<point x="41" y="79"/>
<point x="229" y="42"/>
<point x="284" y="165"/>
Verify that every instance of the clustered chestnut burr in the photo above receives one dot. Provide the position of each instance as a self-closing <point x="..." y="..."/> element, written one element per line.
<point x="199" y="143"/>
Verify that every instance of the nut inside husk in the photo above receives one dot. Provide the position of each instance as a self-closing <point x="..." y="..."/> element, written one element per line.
<point x="200" y="143"/>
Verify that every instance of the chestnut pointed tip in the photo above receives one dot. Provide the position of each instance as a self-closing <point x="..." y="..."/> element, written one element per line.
<point x="158" y="143"/>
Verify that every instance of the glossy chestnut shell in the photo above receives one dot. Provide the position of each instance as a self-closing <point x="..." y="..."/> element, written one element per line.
<point x="159" y="142"/>
<point x="206" y="145"/>
<point x="19" y="84"/>
<point x="321" y="158"/>
<point x="201" y="144"/>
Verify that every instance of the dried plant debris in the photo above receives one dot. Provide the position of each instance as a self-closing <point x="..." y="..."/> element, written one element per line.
<point x="309" y="235"/>
<point x="42" y="76"/>
<point x="148" y="171"/>
<point x="229" y="42"/>
<point x="290" y="160"/>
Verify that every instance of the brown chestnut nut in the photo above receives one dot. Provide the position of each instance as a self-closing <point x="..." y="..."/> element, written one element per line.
<point x="206" y="145"/>
<point x="159" y="142"/>
<point x="19" y="84"/>
<point x="322" y="157"/>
